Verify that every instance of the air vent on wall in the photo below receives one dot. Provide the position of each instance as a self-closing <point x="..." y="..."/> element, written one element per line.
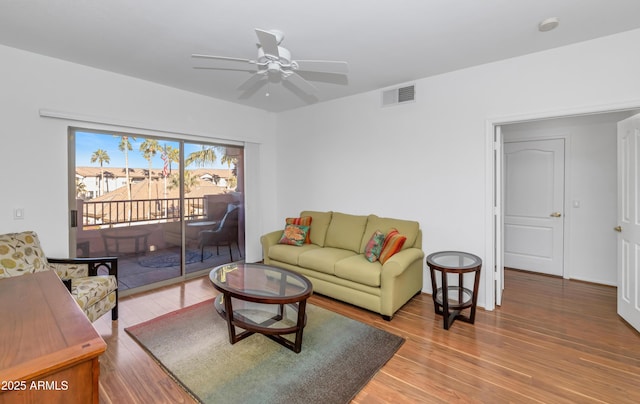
<point x="399" y="95"/>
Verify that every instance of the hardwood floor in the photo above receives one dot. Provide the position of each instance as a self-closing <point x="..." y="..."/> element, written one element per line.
<point x="552" y="341"/>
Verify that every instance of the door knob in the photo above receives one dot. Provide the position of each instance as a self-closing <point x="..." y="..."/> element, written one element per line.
<point x="618" y="229"/>
<point x="556" y="214"/>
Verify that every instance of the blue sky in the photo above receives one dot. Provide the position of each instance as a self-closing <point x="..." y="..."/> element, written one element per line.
<point x="88" y="143"/>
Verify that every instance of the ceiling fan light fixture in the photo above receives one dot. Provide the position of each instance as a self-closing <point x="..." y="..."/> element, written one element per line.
<point x="274" y="65"/>
<point x="548" y="24"/>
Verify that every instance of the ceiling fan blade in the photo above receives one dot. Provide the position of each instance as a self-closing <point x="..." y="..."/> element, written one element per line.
<point x="252" y="81"/>
<point x="247" y="69"/>
<point x="248" y="93"/>
<point x="200" y="56"/>
<point x="323" y="66"/>
<point x="268" y="41"/>
<point x="301" y="83"/>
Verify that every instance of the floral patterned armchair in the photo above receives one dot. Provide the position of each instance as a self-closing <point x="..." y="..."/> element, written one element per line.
<point x="96" y="294"/>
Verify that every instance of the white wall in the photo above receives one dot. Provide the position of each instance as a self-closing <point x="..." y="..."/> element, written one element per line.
<point x="426" y="160"/>
<point x="33" y="164"/>
<point x="423" y="161"/>
<point x="591" y="181"/>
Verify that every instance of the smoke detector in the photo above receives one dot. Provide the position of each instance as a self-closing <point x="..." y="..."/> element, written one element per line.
<point x="548" y="24"/>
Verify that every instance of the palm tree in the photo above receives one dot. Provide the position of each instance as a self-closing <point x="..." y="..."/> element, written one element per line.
<point x="228" y="160"/>
<point x="202" y="158"/>
<point x="189" y="182"/>
<point x="125" y="147"/>
<point x="81" y="189"/>
<point x="232" y="183"/>
<point x="149" y="148"/>
<point x="100" y="156"/>
<point x="107" y="175"/>
<point x="174" y="156"/>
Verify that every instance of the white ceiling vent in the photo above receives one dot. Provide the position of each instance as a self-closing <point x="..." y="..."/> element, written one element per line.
<point x="399" y="95"/>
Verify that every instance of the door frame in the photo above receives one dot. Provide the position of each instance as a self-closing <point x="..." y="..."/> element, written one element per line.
<point x="493" y="189"/>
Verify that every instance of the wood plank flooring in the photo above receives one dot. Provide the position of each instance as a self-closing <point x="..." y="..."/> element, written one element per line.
<point x="552" y="341"/>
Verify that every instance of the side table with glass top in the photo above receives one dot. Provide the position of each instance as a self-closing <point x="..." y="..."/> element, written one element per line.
<point x="450" y="300"/>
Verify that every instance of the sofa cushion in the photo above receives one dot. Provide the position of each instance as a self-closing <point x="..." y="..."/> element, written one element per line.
<point x="288" y="253"/>
<point x="319" y="224"/>
<point x="407" y="228"/>
<point x="67" y="271"/>
<point x="90" y="290"/>
<point x="323" y="259"/>
<point x="358" y="269"/>
<point x="345" y="231"/>
<point x="21" y="253"/>
<point x="100" y="307"/>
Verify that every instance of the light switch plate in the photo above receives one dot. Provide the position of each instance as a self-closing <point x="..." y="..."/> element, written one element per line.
<point x="18" y="214"/>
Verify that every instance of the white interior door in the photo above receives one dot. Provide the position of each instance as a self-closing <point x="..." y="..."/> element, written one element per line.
<point x="534" y="205"/>
<point x="629" y="220"/>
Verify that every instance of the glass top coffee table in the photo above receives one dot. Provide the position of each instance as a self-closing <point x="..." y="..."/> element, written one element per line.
<point x="262" y="299"/>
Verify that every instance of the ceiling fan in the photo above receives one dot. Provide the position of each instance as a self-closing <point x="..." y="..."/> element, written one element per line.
<point x="274" y="64"/>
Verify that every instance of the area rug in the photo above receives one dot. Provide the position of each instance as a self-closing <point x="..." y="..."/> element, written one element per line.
<point x="163" y="259"/>
<point x="339" y="356"/>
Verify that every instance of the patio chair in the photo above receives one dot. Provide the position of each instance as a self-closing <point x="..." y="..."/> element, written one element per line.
<point x="224" y="235"/>
<point x="96" y="294"/>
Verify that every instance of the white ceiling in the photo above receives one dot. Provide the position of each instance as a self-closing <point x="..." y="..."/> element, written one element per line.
<point x="386" y="42"/>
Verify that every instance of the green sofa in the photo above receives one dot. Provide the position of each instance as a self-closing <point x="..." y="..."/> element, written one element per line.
<point x="335" y="264"/>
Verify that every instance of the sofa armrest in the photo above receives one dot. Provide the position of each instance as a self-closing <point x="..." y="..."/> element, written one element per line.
<point x="402" y="278"/>
<point x="68" y="268"/>
<point x="400" y="261"/>
<point x="267" y="241"/>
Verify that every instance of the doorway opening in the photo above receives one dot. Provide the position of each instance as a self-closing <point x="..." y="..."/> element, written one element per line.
<point x="585" y="157"/>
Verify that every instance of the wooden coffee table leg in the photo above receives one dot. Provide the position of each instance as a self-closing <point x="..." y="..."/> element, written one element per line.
<point x="302" y="306"/>
<point x="228" y="316"/>
<point x="229" y="311"/>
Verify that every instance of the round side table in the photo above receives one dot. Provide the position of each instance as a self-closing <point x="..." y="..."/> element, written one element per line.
<point x="450" y="300"/>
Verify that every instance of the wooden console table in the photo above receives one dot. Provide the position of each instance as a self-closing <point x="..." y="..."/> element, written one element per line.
<point x="48" y="348"/>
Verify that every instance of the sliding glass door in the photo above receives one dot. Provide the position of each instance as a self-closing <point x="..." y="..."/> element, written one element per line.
<point x="167" y="208"/>
<point x="214" y="225"/>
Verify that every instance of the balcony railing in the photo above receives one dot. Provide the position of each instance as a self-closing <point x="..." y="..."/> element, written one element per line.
<point x="140" y="210"/>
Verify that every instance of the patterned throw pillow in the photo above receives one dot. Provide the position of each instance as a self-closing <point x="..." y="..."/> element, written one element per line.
<point x="374" y="246"/>
<point x="392" y="244"/>
<point x="294" y="234"/>
<point x="301" y="221"/>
